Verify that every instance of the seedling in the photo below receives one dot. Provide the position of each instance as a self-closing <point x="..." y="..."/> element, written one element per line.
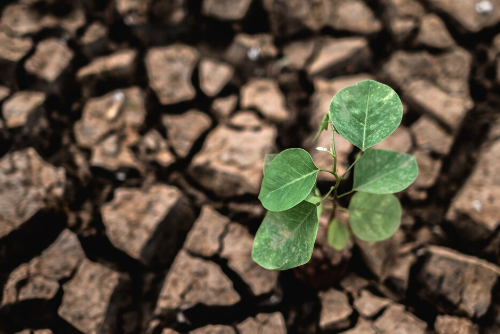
<point x="365" y="114"/>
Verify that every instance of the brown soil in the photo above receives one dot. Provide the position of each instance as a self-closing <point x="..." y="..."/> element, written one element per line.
<point x="132" y="137"/>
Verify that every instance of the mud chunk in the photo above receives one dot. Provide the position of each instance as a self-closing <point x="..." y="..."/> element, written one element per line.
<point x="437" y="85"/>
<point x="467" y="14"/>
<point x="228" y="10"/>
<point x="169" y="70"/>
<point x="335" y="310"/>
<point x="169" y="331"/>
<point x="353" y="284"/>
<point x="272" y="323"/>
<point x="146" y="223"/>
<point x="354" y="16"/>
<point x="251" y="48"/>
<point x="119" y="110"/>
<point x="92" y="299"/>
<point x="429" y="136"/>
<point x="297" y="53"/>
<point x="183" y="130"/>
<point x="245" y="119"/>
<point x="399" y="140"/>
<point x="335" y="54"/>
<point x="446" y="324"/>
<point x="380" y="256"/>
<point x="399" y="276"/>
<point x="475" y="209"/>
<point x="224" y="106"/>
<point x="368" y="305"/>
<point x="192" y="280"/>
<point x="120" y="65"/>
<point x="154" y="148"/>
<point x="20" y="20"/>
<point x="402" y="17"/>
<point x="12" y="51"/>
<point x="113" y="153"/>
<point x="288" y="17"/>
<point x="109" y="127"/>
<point x="230" y="162"/>
<point x="432" y="100"/>
<point x="27" y="185"/>
<point x="22" y="108"/>
<point x="170" y="12"/>
<point x="204" y="238"/>
<point x="433" y="33"/>
<point x="428" y="170"/>
<point x="39" y="278"/>
<point x="214" y="75"/>
<point x="462" y="281"/>
<point x="134" y="12"/>
<point x="52" y="57"/>
<point x="265" y="96"/>
<point x="94" y="40"/>
<point x="396" y="320"/>
<point x="362" y="327"/>
<point x="237" y="249"/>
<point x="4" y="93"/>
<point x="214" y="329"/>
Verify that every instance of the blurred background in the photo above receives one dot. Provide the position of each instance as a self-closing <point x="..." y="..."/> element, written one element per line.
<point x="132" y="138"/>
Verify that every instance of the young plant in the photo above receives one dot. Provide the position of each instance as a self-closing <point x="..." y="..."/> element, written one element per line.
<point x="364" y="114"/>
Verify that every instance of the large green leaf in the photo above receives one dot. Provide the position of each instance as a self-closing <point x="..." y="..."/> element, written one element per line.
<point x="384" y="171"/>
<point x="338" y="235"/>
<point x="374" y="217"/>
<point x="286" y="239"/>
<point x="366" y="113"/>
<point x="267" y="160"/>
<point x="288" y="180"/>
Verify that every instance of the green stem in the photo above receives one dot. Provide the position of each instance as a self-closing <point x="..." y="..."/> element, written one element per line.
<point x="341" y="208"/>
<point x="327" y="171"/>
<point x="333" y="150"/>
<point x="326" y="196"/>
<point x="347" y="193"/>
<point x="348" y="169"/>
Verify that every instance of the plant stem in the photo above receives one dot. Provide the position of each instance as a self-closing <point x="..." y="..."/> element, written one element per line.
<point x="326" y="196"/>
<point x="333" y="151"/>
<point x="345" y="194"/>
<point x="327" y="171"/>
<point x="348" y="169"/>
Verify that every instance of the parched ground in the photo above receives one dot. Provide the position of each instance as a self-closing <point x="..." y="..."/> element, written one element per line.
<point x="132" y="137"/>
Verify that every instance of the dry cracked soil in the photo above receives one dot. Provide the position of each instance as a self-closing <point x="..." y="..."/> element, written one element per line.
<point x="132" y="137"/>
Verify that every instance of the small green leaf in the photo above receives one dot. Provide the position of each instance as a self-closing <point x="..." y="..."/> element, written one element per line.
<point x="338" y="235"/>
<point x="384" y="171"/>
<point x="322" y="127"/>
<point x="267" y="160"/>
<point x="286" y="239"/>
<point x="374" y="217"/>
<point x="366" y="113"/>
<point x="288" y="180"/>
<point x="314" y="197"/>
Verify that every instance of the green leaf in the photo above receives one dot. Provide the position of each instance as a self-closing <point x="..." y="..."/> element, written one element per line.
<point x="267" y="160"/>
<point x="384" y="171"/>
<point x="338" y="235"/>
<point x="366" y="113"/>
<point x="374" y="217"/>
<point x="286" y="239"/>
<point x="288" y="180"/>
<point x="322" y="127"/>
<point x="314" y="197"/>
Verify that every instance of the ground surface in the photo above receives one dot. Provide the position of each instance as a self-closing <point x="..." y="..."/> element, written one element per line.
<point x="132" y="135"/>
